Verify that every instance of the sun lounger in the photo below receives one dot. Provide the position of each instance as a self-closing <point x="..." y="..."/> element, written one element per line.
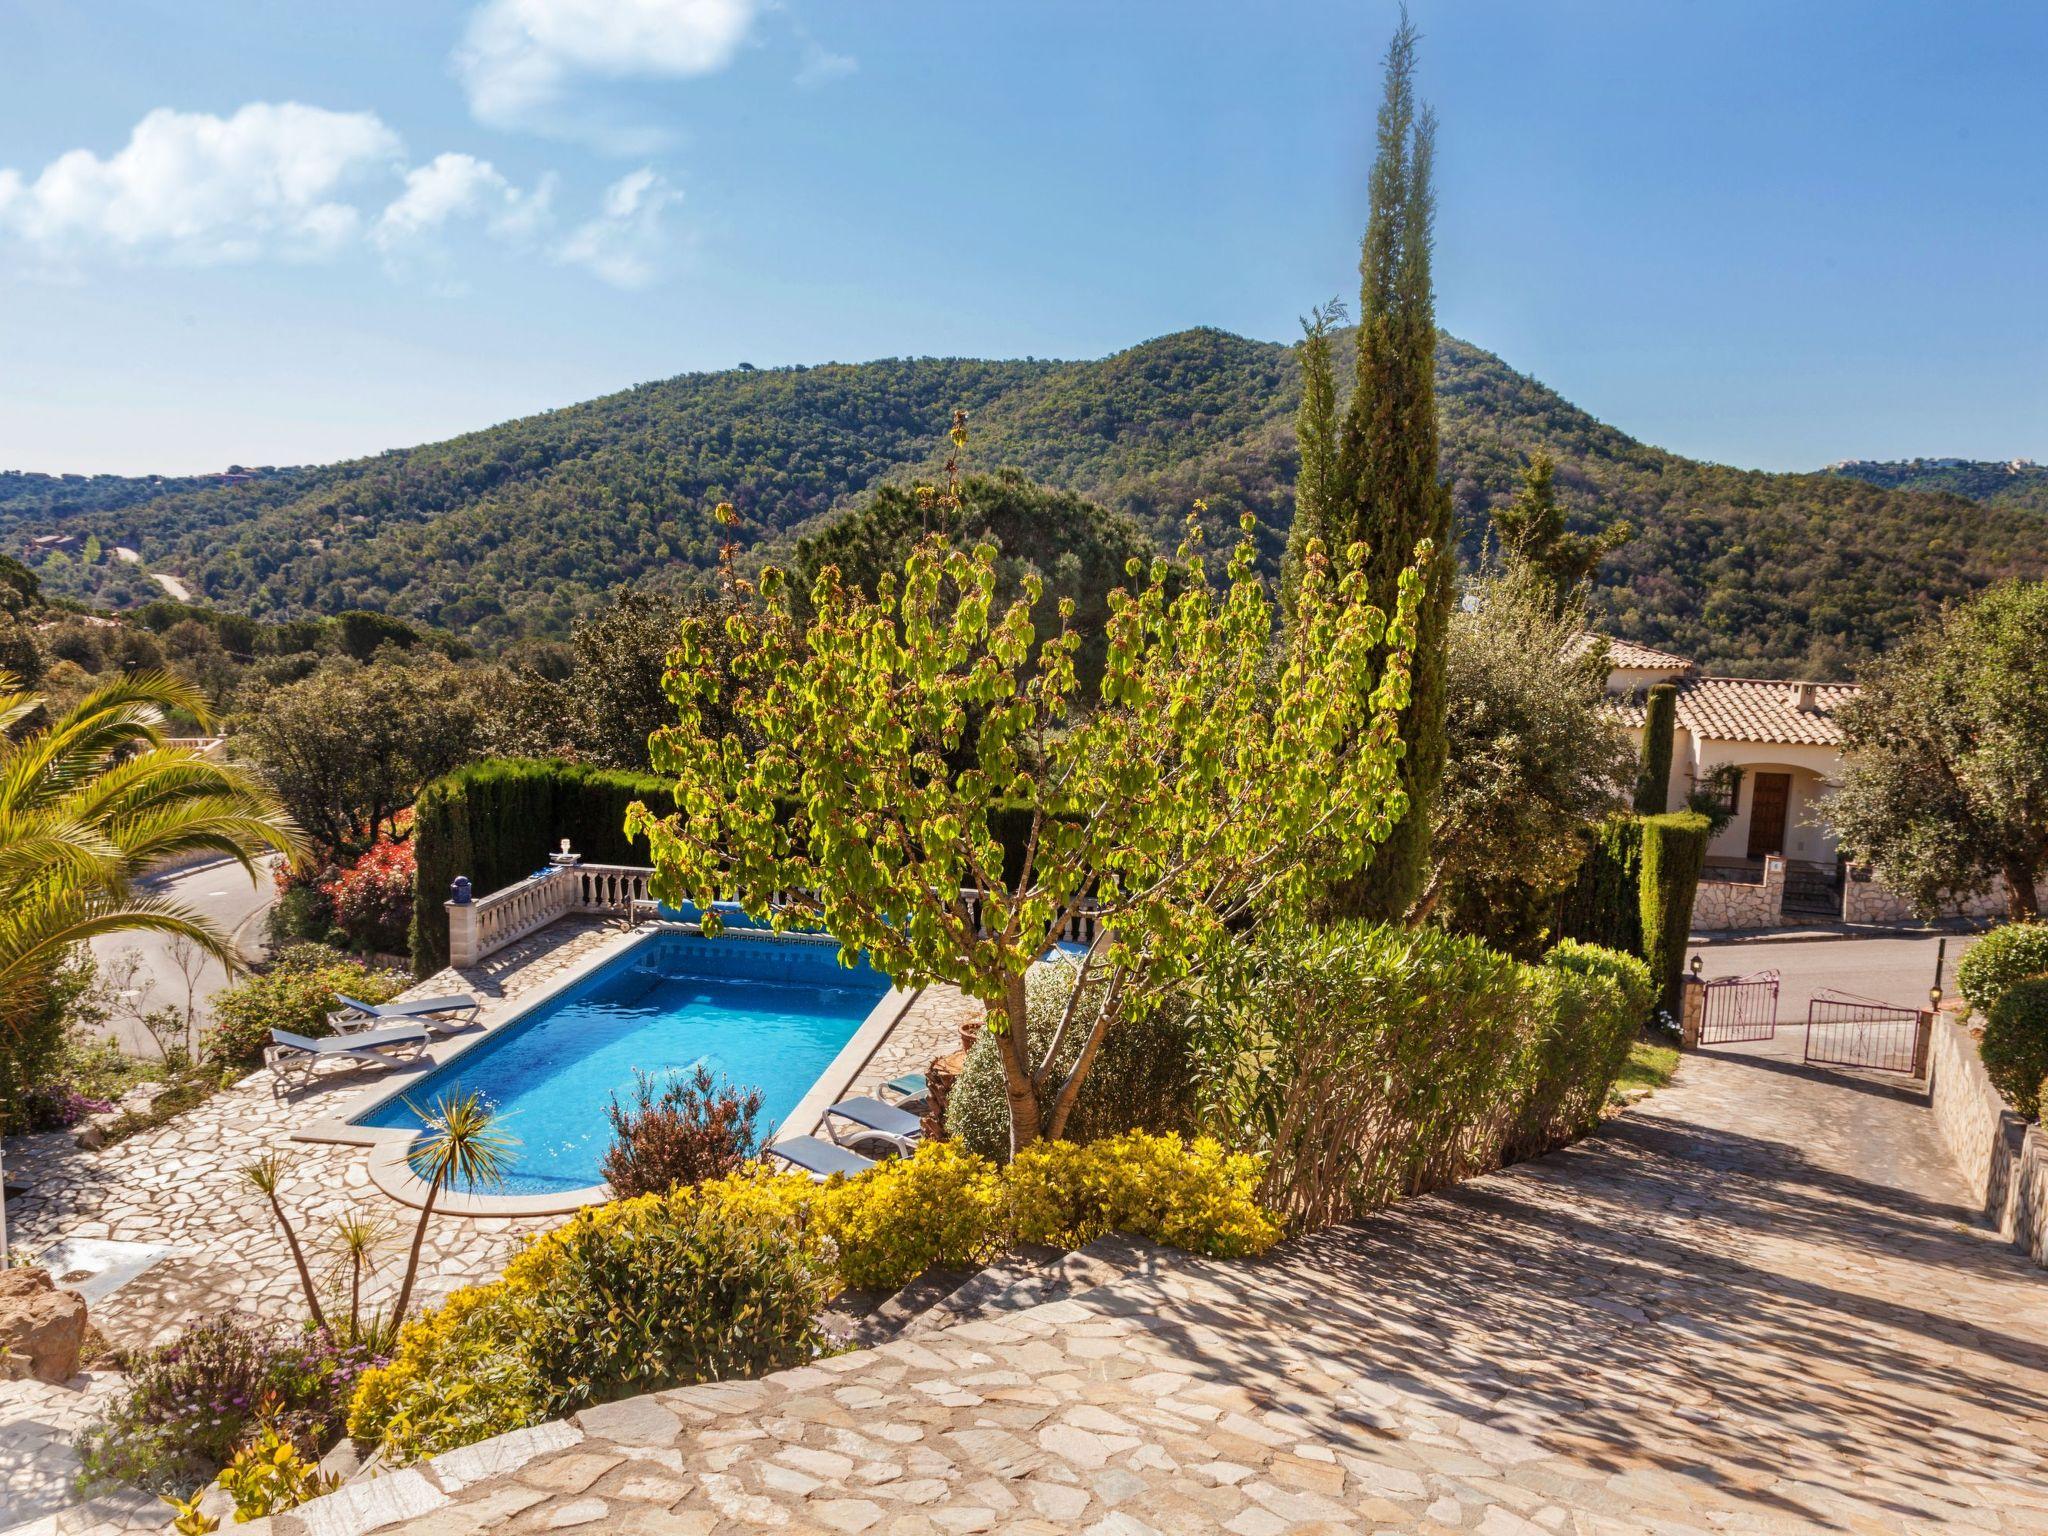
<point x="818" y="1157"/>
<point x="290" y="1055"/>
<point x="459" y="1009"/>
<point x="874" y="1122"/>
<point x="909" y="1093"/>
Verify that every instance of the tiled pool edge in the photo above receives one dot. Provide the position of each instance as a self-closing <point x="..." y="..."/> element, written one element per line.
<point x="392" y="1175"/>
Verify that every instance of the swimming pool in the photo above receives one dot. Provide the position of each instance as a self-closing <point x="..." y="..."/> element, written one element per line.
<point x="765" y="1013"/>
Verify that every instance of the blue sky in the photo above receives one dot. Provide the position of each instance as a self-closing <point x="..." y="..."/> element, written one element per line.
<point x="1765" y="234"/>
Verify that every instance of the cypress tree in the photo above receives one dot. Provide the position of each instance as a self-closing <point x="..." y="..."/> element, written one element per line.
<point x="1315" y="429"/>
<point x="1386" y="492"/>
<point x="1660" y="727"/>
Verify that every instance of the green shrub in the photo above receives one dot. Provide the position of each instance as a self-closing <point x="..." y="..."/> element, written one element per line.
<point x="2009" y="953"/>
<point x="2015" y="1044"/>
<point x="1374" y="1062"/>
<point x="1653" y="777"/>
<point x="1190" y="1194"/>
<point x="297" y="994"/>
<point x="1605" y="904"/>
<point x="1142" y="1078"/>
<point x="1638" y="986"/>
<point x="942" y="1206"/>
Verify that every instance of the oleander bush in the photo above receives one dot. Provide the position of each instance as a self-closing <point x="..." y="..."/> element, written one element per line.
<point x="1142" y="1079"/>
<point x="2009" y="953"/>
<point x="297" y="993"/>
<point x="1374" y="1062"/>
<point x="683" y="1132"/>
<point x="2015" y="1044"/>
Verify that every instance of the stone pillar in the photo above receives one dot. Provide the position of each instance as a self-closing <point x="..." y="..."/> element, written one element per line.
<point x="1774" y="888"/>
<point x="1923" y="1039"/>
<point x="462" y="925"/>
<point x="1692" y="1013"/>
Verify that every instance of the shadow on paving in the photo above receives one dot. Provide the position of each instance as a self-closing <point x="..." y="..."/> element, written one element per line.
<point x="1714" y="1305"/>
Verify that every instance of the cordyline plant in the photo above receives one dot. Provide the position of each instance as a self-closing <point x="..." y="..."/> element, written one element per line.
<point x="1210" y="779"/>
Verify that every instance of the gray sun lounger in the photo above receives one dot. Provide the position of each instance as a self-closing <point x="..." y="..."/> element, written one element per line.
<point x="460" y="1007"/>
<point x="818" y="1157"/>
<point x="875" y="1119"/>
<point x="300" y="1055"/>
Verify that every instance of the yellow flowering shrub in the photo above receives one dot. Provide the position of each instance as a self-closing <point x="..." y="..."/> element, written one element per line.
<point x="457" y="1376"/>
<point x="941" y="1206"/>
<point x="1187" y="1194"/>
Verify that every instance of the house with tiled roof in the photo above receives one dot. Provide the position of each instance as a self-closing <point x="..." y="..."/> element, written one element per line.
<point x="1771" y="751"/>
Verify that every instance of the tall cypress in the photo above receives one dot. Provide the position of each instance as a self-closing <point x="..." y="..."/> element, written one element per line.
<point x="1315" y="430"/>
<point x="1386" y="491"/>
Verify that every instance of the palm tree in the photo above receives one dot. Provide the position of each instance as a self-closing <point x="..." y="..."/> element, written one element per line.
<point x="264" y="1176"/>
<point x="93" y="799"/>
<point x="462" y="1144"/>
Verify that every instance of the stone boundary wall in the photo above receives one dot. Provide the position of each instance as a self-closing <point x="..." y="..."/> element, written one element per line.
<point x="2003" y="1159"/>
<point x="1721" y="905"/>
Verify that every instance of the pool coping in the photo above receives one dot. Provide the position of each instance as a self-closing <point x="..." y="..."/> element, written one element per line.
<point x="392" y="1174"/>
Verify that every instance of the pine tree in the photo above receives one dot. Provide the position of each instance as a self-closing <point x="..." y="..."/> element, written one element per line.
<point x="1387" y="493"/>
<point x="1532" y="533"/>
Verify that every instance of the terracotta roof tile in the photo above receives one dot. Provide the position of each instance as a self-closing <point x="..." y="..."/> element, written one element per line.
<point x="1626" y="653"/>
<point x="1753" y="709"/>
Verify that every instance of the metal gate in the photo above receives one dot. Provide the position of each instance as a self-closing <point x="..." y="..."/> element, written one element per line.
<point x="1739" y="1008"/>
<point x="1843" y="1030"/>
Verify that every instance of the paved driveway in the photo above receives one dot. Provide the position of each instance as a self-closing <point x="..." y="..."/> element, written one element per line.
<point x="159" y="978"/>
<point x="1896" y="970"/>
<point x="1757" y="1304"/>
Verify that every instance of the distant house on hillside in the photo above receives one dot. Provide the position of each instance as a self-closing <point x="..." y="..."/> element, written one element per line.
<point x="1780" y="748"/>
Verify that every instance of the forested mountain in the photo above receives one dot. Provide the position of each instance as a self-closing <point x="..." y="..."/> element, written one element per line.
<point x="2007" y="482"/>
<point x="516" y="530"/>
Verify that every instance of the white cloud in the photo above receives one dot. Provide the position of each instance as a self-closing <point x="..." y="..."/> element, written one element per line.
<point x="287" y="181"/>
<point x="821" y="65"/>
<point x="624" y="243"/>
<point x="518" y="56"/>
<point x="453" y="187"/>
<point x="273" y="179"/>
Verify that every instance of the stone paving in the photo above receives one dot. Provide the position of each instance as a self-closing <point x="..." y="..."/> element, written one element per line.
<point x="179" y="1184"/>
<point x="1754" y="1306"/>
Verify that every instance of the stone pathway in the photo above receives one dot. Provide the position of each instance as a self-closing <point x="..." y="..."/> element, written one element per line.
<point x="1755" y="1305"/>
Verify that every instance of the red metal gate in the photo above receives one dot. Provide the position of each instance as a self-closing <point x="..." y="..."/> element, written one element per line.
<point x="1843" y="1030"/>
<point x="1739" y="1008"/>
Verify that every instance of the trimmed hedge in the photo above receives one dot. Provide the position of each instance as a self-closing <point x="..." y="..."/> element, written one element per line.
<point x="1635" y="892"/>
<point x="2015" y="1044"/>
<point x="1377" y="1062"/>
<point x="498" y="821"/>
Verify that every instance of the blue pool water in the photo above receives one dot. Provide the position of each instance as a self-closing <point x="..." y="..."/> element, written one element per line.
<point x="765" y="1015"/>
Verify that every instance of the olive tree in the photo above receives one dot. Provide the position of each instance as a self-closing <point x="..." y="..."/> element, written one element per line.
<point x="1947" y="748"/>
<point x="1209" y="777"/>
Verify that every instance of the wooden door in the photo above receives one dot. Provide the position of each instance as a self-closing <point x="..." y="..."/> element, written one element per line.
<point x="1768" y="797"/>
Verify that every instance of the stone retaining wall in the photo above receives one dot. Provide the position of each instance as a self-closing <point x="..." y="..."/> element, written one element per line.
<point x="1720" y="906"/>
<point x="2003" y="1159"/>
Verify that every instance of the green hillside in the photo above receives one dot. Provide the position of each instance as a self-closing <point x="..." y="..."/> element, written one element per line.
<point x="515" y="530"/>
<point x="2006" y="483"/>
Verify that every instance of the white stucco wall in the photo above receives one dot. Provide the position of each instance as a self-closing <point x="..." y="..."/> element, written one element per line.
<point x="1814" y="771"/>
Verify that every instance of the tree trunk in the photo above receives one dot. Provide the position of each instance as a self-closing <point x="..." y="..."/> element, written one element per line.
<point x="291" y="1241"/>
<point x="412" y="1260"/>
<point x="1014" y="1046"/>
<point x="2022" y="878"/>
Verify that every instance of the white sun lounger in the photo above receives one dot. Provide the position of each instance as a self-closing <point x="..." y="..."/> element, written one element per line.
<point x="875" y="1121"/>
<point x="818" y="1157"/>
<point x="460" y="1009"/>
<point x="290" y="1055"/>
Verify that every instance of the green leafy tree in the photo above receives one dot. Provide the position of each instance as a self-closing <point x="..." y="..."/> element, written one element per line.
<point x="352" y="744"/>
<point x="1206" y="783"/>
<point x="1532" y="531"/>
<point x="1385" y="496"/>
<point x="1947" y="750"/>
<point x="1535" y="762"/>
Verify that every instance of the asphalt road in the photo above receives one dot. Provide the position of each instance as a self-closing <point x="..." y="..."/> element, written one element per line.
<point x="1888" y="970"/>
<point x="159" y="976"/>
